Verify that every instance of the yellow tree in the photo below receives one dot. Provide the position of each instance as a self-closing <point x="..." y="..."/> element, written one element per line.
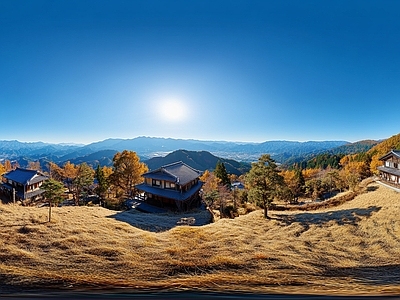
<point x="128" y="170"/>
<point x="210" y="188"/>
<point x="295" y="184"/>
<point x="310" y="173"/>
<point x="375" y="163"/>
<point x="353" y="172"/>
<point x="70" y="171"/>
<point x="2" y="169"/>
<point x="55" y="171"/>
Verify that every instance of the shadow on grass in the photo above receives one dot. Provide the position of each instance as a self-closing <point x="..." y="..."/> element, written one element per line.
<point x="373" y="275"/>
<point x="157" y="222"/>
<point x="341" y="217"/>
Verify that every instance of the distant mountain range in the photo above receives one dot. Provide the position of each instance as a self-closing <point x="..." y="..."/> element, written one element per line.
<point x="151" y="149"/>
<point x="200" y="160"/>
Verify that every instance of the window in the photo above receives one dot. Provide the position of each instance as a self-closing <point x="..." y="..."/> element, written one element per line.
<point x="169" y="185"/>
<point x="156" y="182"/>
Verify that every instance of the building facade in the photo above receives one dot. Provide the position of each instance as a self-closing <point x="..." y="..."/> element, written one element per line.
<point x="175" y="186"/>
<point x="23" y="185"/>
<point x="390" y="171"/>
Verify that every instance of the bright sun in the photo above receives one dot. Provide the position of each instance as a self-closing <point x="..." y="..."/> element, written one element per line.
<point x="172" y="110"/>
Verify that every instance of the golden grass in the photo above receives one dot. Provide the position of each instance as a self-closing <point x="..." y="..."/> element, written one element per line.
<point x="353" y="248"/>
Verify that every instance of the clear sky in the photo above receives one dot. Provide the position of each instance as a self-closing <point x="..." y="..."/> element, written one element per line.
<point x="84" y="71"/>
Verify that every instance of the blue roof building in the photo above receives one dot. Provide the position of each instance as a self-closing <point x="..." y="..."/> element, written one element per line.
<point x="175" y="186"/>
<point x="23" y="184"/>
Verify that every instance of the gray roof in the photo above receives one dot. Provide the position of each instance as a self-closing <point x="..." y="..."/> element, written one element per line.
<point x="171" y="194"/>
<point x="25" y="176"/>
<point x="389" y="154"/>
<point x="177" y="172"/>
<point x="392" y="171"/>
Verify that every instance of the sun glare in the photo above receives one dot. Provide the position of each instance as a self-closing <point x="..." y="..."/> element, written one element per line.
<point x="172" y="110"/>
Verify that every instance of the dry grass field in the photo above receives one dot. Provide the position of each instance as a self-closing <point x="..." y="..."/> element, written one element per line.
<point x="351" y="249"/>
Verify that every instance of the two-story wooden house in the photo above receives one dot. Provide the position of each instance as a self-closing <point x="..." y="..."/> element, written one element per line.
<point x="390" y="171"/>
<point x="23" y="184"/>
<point x="175" y="186"/>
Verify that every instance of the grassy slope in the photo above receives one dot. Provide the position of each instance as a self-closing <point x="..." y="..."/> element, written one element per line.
<point x="350" y="249"/>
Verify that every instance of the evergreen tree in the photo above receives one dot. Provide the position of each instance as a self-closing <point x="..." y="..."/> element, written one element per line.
<point x="53" y="192"/>
<point x="102" y="182"/>
<point x="264" y="182"/>
<point x="221" y="174"/>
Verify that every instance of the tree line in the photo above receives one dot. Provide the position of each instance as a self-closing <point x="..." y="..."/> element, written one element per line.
<point x="268" y="181"/>
<point x="81" y="180"/>
<point x="265" y="183"/>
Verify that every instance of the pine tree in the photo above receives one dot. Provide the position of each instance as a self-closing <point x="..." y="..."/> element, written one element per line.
<point x="102" y="182"/>
<point x="264" y="182"/>
<point x="221" y="174"/>
<point x="53" y="192"/>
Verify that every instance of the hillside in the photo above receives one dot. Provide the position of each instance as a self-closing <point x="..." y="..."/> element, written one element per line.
<point x="329" y="157"/>
<point x="392" y="143"/>
<point x="352" y="148"/>
<point x="102" y="158"/>
<point x="352" y="249"/>
<point x="386" y="145"/>
<point x="200" y="160"/>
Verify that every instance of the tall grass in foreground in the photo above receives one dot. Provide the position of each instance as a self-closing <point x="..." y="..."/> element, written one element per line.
<point x="350" y="249"/>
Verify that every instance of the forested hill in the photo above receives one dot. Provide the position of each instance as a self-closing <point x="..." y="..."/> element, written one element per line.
<point x="392" y="143"/>
<point x="200" y="160"/>
<point x="331" y="157"/>
<point x="352" y="148"/>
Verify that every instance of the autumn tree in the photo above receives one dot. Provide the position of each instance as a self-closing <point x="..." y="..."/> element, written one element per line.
<point x="127" y="171"/>
<point x="264" y="182"/>
<point x="210" y="188"/>
<point x="354" y="170"/>
<point x="221" y="173"/>
<point x="55" y="171"/>
<point x="83" y="181"/>
<point x="69" y="173"/>
<point x="53" y="192"/>
<point x="295" y="183"/>
<point x="2" y="169"/>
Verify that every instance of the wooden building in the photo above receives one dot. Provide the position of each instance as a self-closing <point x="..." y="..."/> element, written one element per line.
<point x="23" y="185"/>
<point x="390" y="171"/>
<point x="175" y="186"/>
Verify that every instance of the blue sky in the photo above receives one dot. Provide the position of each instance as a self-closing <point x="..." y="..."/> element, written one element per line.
<point x="85" y="71"/>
